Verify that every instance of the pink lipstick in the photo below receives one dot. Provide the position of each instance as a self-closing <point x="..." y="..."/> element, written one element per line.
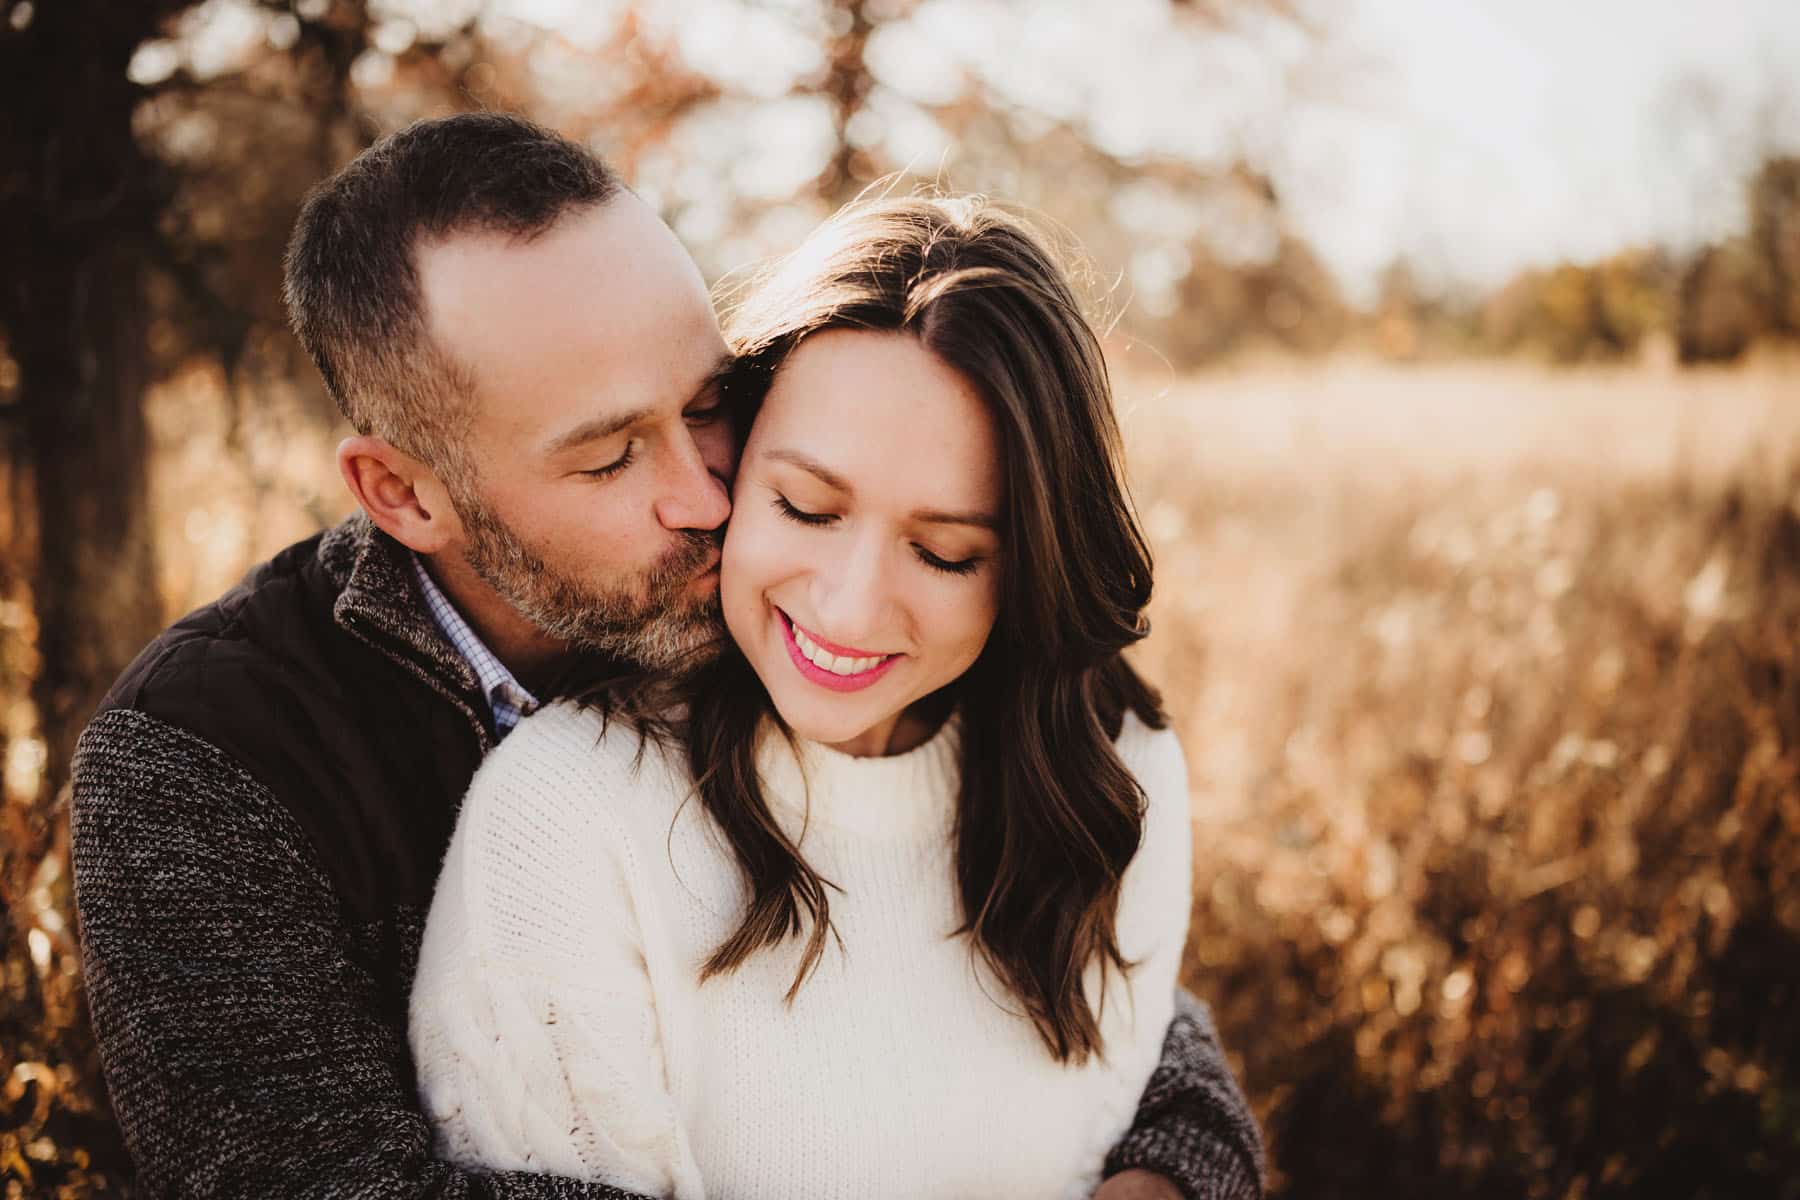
<point x="851" y="682"/>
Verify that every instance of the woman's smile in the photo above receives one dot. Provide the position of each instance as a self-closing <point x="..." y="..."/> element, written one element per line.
<point x="829" y="665"/>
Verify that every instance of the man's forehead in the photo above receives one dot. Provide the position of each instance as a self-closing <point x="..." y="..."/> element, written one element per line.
<point x="580" y="299"/>
<point x="616" y="251"/>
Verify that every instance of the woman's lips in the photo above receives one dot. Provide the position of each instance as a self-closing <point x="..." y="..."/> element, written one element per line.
<point x="854" y="681"/>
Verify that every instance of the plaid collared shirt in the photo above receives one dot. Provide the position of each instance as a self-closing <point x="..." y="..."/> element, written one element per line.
<point x="505" y="694"/>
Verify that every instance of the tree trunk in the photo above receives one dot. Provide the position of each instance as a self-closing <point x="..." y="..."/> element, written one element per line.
<point x="79" y="198"/>
<point x="77" y="205"/>
<point x="94" y="582"/>
<point x="846" y="83"/>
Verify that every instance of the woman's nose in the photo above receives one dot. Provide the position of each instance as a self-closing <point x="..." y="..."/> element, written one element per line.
<point x="852" y="597"/>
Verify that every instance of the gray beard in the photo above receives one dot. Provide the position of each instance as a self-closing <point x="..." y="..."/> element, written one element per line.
<point x="648" y="619"/>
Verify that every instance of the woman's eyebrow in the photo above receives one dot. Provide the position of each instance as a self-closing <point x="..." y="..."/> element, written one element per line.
<point x="813" y="466"/>
<point x="936" y="516"/>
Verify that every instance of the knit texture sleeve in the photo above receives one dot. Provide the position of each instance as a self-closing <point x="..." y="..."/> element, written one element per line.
<point x="534" y="1023"/>
<point x="242" y="1045"/>
<point x="1193" y="1125"/>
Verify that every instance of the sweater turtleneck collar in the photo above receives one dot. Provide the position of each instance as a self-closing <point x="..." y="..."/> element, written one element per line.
<point x="893" y="796"/>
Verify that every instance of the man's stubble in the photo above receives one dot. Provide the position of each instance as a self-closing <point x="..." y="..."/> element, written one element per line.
<point x="648" y="618"/>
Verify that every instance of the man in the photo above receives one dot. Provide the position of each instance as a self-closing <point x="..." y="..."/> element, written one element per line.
<point x="528" y="357"/>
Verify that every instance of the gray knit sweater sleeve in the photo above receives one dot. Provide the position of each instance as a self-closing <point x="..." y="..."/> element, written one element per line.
<point x="1193" y="1124"/>
<point x="243" y="1046"/>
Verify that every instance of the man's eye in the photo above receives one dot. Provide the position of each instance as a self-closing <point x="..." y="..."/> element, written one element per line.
<point x="704" y="416"/>
<point x="613" y="468"/>
<point x="801" y="515"/>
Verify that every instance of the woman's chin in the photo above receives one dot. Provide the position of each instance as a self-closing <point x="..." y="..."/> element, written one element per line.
<point x="830" y="728"/>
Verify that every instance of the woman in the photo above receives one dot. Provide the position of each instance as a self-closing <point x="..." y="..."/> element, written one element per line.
<point x="895" y="905"/>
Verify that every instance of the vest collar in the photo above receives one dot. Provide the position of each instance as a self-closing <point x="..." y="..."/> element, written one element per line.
<point x="379" y="602"/>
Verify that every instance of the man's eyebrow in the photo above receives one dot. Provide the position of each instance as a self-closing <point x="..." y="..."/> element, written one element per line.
<point x="715" y="378"/>
<point x="600" y="428"/>
<point x="596" y="429"/>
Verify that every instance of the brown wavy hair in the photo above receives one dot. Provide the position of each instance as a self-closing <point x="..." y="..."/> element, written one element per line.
<point x="1048" y="816"/>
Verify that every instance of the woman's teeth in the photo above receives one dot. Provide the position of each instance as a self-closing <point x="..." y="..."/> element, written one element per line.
<point x="826" y="661"/>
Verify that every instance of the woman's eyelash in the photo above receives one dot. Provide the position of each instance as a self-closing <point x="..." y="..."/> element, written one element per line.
<point x="960" y="567"/>
<point x="613" y="468"/>
<point x="964" y="566"/>
<point x="787" y="510"/>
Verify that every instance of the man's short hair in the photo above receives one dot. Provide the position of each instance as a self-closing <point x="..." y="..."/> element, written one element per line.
<point x="351" y="275"/>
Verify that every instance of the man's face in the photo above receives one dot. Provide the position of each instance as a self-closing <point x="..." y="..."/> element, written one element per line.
<point x="599" y="458"/>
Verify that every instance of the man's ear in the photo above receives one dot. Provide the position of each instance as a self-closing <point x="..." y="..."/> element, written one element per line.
<point x="404" y="497"/>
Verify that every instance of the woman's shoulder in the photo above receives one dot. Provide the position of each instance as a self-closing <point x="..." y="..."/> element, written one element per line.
<point x="543" y="851"/>
<point x="1153" y="906"/>
<point x="565" y="768"/>
<point x="1153" y="755"/>
<point x="566" y="739"/>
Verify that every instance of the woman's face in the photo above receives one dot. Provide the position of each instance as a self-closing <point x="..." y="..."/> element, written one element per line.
<point x="862" y="562"/>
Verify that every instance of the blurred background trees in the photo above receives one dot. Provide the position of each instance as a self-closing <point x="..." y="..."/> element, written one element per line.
<point x="1714" y="303"/>
<point x="159" y="430"/>
<point x="150" y="169"/>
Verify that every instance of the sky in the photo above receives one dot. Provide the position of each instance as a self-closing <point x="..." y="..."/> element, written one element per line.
<point x="1487" y="135"/>
<point x="1473" y="137"/>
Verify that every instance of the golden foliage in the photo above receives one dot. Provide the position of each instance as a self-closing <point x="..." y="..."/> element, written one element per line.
<point x="1498" y="761"/>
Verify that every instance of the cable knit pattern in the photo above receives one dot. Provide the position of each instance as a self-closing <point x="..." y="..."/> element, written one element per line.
<point x="559" y="1024"/>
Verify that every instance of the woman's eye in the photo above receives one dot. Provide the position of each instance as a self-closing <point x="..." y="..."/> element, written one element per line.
<point x="787" y="510"/>
<point x="704" y="416"/>
<point x="613" y="468"/>
<point x="963" y="566"/>
<point x="948" y="566"/>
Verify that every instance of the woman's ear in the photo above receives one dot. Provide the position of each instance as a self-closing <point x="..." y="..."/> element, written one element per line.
<point x="403" y="497"/>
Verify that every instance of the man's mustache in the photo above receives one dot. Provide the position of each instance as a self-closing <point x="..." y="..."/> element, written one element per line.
<point x="693" y="551"/>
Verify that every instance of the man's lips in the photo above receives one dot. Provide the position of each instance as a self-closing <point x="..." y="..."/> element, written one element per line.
<point x="710" y="567"/>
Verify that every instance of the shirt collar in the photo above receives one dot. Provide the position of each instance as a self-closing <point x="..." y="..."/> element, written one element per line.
<point x="506" y="696"/>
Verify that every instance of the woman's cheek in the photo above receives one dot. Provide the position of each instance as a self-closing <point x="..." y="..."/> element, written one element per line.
<point x="962" y="614"/>
<point x="758" y="550"/>
<point x="979" y="611"/>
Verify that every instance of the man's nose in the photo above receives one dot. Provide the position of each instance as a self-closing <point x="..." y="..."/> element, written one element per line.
<point x="693" y="494"/>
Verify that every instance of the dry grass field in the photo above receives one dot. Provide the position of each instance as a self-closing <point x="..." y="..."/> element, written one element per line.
<point x="1487" y="678"/>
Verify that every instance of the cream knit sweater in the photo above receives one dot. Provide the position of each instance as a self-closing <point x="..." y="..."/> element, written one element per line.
<point x="559" y="1024"/>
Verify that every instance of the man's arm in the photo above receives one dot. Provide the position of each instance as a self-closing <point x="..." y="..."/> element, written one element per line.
<point x="243" y="1050"/>
<point x="1193" y="1126"/>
